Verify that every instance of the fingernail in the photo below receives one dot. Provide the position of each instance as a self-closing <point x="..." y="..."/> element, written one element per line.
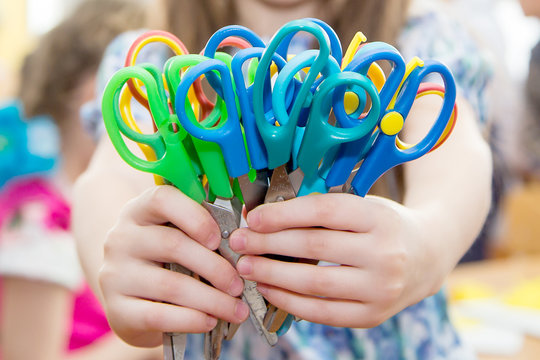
<point x="237" y="241"/>
<point x="236" y="287"/>
<point x="241" y="310"/>
<point x="211" y="322"/>
<point x="244" y="266"/>
<point x="254" y="218"/>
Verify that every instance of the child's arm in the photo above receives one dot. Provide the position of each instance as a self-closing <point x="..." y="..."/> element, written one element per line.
<point x="129" y="276"/>
<point x="394" y="255"/>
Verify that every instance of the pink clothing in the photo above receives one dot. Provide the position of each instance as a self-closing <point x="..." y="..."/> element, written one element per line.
<point x="89" y="321"/>
<point x="35" y="243"/>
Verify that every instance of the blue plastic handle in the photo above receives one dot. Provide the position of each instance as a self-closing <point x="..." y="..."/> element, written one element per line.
<point x="351" y="153"/>
<point x="228" y="133"/>
<point x="215" y="40"/>
<point x="385" y="154"/>
<point x="257" y="149"/>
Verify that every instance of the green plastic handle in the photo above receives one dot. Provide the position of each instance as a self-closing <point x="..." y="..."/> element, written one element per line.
<point x="209" y="153"/>
<point x="174" y="164"/>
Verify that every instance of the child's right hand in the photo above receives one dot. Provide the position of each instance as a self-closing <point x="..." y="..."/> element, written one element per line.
<point x="141" y="298"/>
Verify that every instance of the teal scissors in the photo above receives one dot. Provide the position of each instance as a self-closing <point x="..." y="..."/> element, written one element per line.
<point x="278" y="126"/>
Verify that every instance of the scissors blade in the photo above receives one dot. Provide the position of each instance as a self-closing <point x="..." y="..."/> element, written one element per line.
<point x="174" y="344"/>
<point x="213" y="341"/>
<point x="254" y="192"/>
<point x="281" y="188"/>
<point x="227" y="214"/>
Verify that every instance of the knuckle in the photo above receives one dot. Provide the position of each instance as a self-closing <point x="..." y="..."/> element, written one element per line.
<point x="152" y="320"/>
<point x="372" y="315"/>
<point x="316" y="245"/>
<point x="326" y="315"/>
<point x="170" y="290"/>
<point x="221" y="273"/>
<point x="105" y="276"/>
<point x="157" y="197"/>
<point x="115" y="239"/>
<point x="375" y="319"/>
<point x="202" y="226"/>
<point x="393" y="291"/>
<point x="321" y="284"/>
<point x="171" y="244"/>
<point x="324" y="207"/>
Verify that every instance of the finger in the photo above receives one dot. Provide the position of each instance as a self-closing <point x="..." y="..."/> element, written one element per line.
<point x="158" y="284"/>
<point x="339" y="282"/>
<point x="170" y="245"/>
<point x="333" y="312"/>
<point x="332" y="211"/>
<point x="341" y="247"/>
<point x="141" y="323"/>
<point x="163" y="204"/>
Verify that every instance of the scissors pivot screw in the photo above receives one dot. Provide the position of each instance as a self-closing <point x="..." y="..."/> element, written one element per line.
<point x="280" y="198"/>
<point x="225" y="234"/>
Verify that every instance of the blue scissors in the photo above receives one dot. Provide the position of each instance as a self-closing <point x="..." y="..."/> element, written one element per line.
<point x="228" y="135"/>
<point x="351" y="153"/>
<point x="388" y="150"/>
<point x="254" y="186"/>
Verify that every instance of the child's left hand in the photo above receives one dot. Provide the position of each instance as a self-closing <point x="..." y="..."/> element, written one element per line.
<point x="381" y="247"/>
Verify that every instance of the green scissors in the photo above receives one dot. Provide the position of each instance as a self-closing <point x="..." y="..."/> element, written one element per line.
<point x="177" y="164"/>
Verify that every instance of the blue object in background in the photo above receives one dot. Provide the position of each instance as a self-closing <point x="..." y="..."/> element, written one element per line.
<point x="26" y="146"/>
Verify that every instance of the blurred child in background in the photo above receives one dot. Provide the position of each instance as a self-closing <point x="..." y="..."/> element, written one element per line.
<point x="47" y="310"/>
<point x="386" y="303"/>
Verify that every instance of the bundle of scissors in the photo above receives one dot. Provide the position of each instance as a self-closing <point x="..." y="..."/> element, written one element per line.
<point x="280" y="126"/>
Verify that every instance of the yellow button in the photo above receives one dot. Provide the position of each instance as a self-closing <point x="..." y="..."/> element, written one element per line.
<point x="392" y="123"/>
<point x="350" y="102"/>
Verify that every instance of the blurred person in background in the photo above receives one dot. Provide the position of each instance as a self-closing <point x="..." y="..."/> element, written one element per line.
<point x="47" y="309"/>
<point x="7" y="79"/>
<point x="520" y="229"/>
<point x="531" y="128"/>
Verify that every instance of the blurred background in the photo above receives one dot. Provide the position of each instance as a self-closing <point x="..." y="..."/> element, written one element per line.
<point x="495" y="292"/>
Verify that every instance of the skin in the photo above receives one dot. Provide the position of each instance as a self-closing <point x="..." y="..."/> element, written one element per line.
<point x="417" y="243"/>
<point x="531" y="7"/>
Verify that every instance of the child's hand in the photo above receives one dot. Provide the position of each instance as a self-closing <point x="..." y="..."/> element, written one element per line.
<point x="141" y="298"/>
<point x="380" y="244"/>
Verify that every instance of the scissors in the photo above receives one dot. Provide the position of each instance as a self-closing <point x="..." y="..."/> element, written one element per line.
<point x="278" y="127"/>
<point x="254" y="186"/>
<point x="173" y="162"/>
<point x="257" y="150"/>
<point x="350" y="154"/>
<point x="167" y="156"/>
<point x="228" y="136"/>
<point x="321" y="139"/>
<point x="389" y="150"/>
